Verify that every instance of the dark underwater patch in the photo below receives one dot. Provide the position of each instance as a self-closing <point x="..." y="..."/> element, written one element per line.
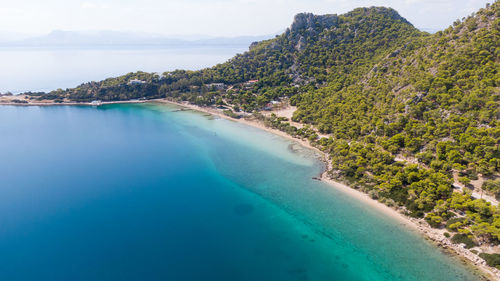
<point x="243" y="209"/>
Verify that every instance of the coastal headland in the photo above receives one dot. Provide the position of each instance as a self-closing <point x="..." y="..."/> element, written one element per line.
<point x="405" y="120"/>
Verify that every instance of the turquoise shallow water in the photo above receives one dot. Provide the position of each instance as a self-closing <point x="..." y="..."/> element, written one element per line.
<point x="148" y="192"/>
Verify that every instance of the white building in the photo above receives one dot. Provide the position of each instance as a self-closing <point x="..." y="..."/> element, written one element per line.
<point x="136" y="82"/>
<point x="217" y="86"/>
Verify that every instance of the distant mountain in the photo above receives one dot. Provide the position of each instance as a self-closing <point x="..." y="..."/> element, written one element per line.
<point x="59" y="38"/>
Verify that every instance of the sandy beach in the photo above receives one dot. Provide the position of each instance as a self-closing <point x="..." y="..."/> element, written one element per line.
<point x="419" y="225"/>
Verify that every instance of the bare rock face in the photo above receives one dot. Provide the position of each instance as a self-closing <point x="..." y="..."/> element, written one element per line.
<point x="311" y="22"/>
<point x="300" y="44"/>
<point x="307" y="25"/>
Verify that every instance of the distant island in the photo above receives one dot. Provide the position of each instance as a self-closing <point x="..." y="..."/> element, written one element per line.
<point x="410" y="118"/>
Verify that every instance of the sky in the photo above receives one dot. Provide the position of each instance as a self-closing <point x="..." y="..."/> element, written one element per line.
<point x="207" y="17"/>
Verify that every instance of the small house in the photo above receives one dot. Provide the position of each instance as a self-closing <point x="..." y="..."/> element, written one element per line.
<point x="217" y="86"/>
<point x="136" y="82"/>
<point x="251" y="82"/>
<point x="268" y="106"/>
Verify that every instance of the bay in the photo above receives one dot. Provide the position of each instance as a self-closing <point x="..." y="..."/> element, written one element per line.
<point x="149" y="192"/>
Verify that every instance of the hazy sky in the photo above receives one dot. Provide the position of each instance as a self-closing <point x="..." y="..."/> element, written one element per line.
<point x="208" y="17"/>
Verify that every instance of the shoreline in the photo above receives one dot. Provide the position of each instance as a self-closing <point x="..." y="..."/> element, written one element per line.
<point x="419" y="226"/>
<point x="324" y="174"/>
<point x="71" y="103"/>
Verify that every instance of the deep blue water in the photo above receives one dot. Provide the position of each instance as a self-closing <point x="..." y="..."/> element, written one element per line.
<point x="147" y="192"/>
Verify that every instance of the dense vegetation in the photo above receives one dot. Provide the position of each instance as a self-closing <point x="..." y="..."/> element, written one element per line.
<point x="382" y="91"/>
<point x="492" y="259"/>
<point x="434" y="100"/>
<point x="293" y="62"/>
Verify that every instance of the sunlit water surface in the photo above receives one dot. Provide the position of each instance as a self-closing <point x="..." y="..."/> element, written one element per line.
<point x="148" y="192"/>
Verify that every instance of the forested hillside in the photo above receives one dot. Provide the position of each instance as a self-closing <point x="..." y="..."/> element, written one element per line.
<point x="434" y="100"/>
<point x="314" y="51"/>
<point x="407" y="115"/>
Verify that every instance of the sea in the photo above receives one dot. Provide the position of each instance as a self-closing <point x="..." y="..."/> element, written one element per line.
<point x="50" y="68"/>
<point x="156" y="192"/>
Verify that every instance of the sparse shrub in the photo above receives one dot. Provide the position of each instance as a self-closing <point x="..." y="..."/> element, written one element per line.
<point x="461" y="238"/>
<point x="492" y="260"/>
